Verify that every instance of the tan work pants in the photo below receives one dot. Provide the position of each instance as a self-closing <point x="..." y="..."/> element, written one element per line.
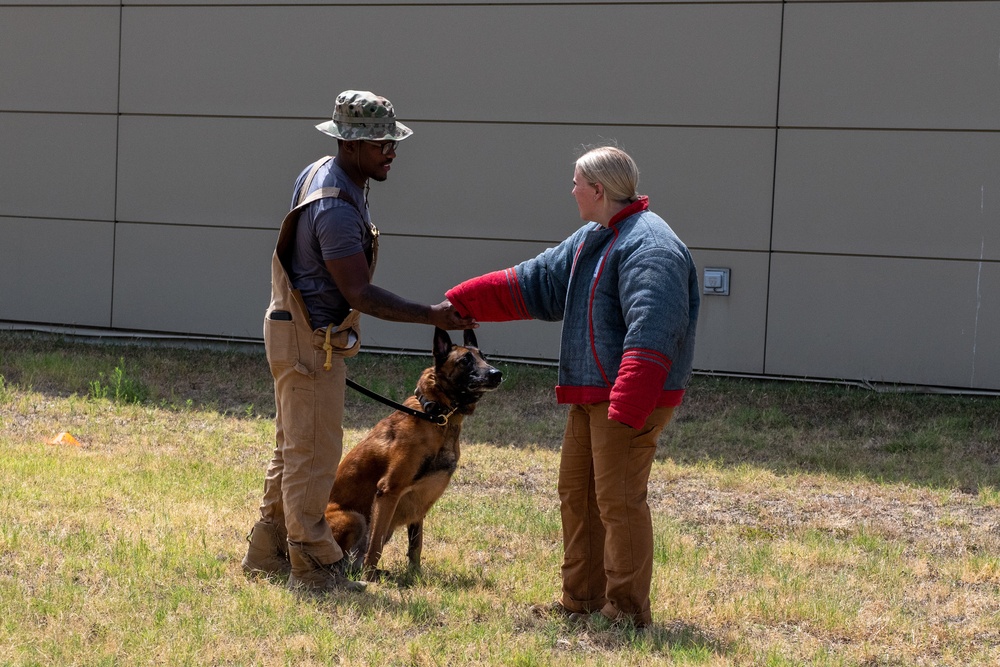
<point x="607" y="525"/>
<point x="309" y="440"/>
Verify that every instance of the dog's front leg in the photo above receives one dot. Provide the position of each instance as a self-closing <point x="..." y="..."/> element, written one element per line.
<point x="415" y="532"/>
<point x="383" y="510"/>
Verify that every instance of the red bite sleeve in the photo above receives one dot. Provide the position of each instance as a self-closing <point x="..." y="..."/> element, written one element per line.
<point x="492" y="297"/>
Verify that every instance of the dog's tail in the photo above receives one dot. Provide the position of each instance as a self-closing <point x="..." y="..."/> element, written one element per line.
<point x="349" y="528"/>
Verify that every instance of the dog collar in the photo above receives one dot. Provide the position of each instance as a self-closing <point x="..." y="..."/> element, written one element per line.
<point x="434" y="409"/>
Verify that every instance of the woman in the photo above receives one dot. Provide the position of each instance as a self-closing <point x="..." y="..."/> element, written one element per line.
<point x="626" y="290"/>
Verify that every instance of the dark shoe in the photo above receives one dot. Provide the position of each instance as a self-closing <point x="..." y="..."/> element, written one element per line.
<point x="267" y="553"/>
<point x="553" y="609"/>
<point x="310" y="575"/>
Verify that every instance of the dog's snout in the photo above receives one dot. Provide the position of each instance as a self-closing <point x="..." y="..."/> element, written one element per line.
<point x="494" y="377"/>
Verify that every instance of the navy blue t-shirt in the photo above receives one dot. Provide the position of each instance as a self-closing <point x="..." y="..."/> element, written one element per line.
<point x="328" y="229"/>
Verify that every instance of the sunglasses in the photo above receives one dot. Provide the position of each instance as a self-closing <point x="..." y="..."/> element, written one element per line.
<point x="387" y="146"/>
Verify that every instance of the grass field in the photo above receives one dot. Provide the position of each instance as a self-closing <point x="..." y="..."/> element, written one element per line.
<point x="796" y="524"/>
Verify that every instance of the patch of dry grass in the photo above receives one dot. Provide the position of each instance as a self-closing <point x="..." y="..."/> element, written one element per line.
<point x="795" y="525"/>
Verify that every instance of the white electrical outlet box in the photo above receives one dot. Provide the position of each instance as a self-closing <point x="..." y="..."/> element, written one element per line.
<point x="715" y="281"/>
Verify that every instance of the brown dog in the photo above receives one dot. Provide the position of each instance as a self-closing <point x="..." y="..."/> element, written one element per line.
<point x="399" y="470"/>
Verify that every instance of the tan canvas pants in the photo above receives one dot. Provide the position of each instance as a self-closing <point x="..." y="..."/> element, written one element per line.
<point x="309" y="441"/>
<point x="309" y="383"/>
<point x="607" y="526"/>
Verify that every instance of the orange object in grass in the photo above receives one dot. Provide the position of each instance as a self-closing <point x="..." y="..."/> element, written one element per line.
<point x="65" y="438"/>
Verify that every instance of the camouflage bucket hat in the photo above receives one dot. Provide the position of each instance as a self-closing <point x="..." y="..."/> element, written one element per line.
<point x="360" y="114"/>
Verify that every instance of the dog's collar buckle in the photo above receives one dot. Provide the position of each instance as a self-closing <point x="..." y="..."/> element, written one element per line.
<point x="433" y="410"/>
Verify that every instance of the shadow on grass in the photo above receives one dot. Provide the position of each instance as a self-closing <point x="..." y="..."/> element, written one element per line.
<point x="402" y="577"/>
<point x="687" y="638"/>
<point x="936" y="440"/>
<point x="681" y="640"/>
<point x="787" y="427"/>
<point x="676" y="637"/>
<point x="230" y="379"/>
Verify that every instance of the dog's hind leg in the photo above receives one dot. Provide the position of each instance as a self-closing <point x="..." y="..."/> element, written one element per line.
<point x="350" y="530"/>
<point x="415" y="533"/>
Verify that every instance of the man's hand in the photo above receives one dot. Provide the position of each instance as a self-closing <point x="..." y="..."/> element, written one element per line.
<point x="352" y="278"/>
<point x="444" y="316"/>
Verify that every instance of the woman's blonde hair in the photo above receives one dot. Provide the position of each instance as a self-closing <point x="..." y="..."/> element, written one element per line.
<point x="614" y="169"/>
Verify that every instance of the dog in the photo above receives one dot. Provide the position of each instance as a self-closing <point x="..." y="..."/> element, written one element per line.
<point x="399" y="470"/>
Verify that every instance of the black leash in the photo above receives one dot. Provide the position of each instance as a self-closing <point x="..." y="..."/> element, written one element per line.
<point x="439" y="419"/>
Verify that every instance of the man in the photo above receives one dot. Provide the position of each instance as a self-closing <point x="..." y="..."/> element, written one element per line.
<point x="321" y="274"/>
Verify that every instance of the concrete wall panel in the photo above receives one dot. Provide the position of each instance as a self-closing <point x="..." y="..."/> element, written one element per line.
<point x="233" y="172"/>
<point x="891" y="65"/>
<point x="917" y="194"/>
<point x="687" y="64"/>
<point x="371" y="2"/>
<point x="62" y="3"/>
<point x="198" y="280"/>
<point x="898" y="320"/>
<point x="712" y="185"/>
<point x="731" y="329"/>
<point x="58" y="273"/>
<point x="58" y="165"/>
<point x="59" y="59"/>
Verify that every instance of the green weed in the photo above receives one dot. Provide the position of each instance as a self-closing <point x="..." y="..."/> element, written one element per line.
<point x="119" y="387"/>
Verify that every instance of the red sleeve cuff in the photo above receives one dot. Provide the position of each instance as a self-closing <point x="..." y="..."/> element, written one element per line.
<point x="638" y="387"/>
<point x="492" y="297"/>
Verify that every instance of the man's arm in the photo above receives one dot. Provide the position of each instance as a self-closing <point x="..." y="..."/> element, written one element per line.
<point x="352" y="278"/>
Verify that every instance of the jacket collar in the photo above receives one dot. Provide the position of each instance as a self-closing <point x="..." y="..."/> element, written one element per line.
<point x="639" y="205"/>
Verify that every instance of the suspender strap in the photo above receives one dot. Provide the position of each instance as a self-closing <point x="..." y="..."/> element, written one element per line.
<point x="322" y="193"/>
<point x="309" y="179"/>
<point x="304" y="200"/>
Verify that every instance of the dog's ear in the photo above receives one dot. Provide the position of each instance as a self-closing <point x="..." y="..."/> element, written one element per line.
<point x="469" y="339"/>
<point x="442" y="346"/>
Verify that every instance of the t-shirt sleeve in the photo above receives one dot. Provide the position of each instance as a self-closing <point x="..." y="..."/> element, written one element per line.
<point x="339" y="230"/>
